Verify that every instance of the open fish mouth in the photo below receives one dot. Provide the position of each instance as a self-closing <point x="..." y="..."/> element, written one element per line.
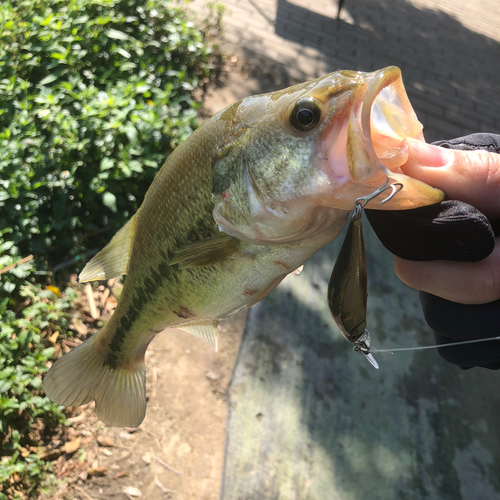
<point x="380" y="118"/>
<point x="387" y="118"/>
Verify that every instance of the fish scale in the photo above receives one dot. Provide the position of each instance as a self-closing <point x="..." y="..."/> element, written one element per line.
<point x="243" y="202"/>
<point x="174" y="219"/>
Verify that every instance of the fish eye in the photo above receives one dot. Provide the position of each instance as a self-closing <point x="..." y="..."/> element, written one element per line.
<point x="305" y="114"/>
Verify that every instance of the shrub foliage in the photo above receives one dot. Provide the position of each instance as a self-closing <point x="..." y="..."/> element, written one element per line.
<point x="94" y="95"/>
<point x="26" y="414"/>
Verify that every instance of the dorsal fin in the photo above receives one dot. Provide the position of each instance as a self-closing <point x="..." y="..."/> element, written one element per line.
<point x="204" y="330"/>
<point x="112" y="260"/>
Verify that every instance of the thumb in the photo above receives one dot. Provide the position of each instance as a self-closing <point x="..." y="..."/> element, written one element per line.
<point x="469" y="176"/>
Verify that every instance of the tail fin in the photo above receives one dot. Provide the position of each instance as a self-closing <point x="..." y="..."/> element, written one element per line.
<point x="82" y="375"/>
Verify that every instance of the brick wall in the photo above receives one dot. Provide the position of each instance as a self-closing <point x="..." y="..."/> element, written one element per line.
<point x="448" y="50"/>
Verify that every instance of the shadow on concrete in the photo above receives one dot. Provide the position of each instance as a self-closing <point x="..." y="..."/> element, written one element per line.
<point x="311" y="419"/>
<point x="451" y="73"/>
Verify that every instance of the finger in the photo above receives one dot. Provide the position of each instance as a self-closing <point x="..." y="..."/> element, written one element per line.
<point x="469" y="176"/>
<point x="461" y="322"/>
<point x="484" y="354"/>
<point x="454" y="322"/>
<point x="462" y="282"/>
<point x="450" y="230"/>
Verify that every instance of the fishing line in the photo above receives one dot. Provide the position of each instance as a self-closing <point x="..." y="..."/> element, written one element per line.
<point x="374" y="350"/>
<point x="355" y="280"/>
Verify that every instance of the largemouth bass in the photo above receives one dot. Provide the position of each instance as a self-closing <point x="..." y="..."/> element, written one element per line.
<point x="247" y="199"/>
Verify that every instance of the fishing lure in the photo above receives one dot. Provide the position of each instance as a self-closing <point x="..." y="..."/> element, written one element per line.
<point x="348" y="286"/>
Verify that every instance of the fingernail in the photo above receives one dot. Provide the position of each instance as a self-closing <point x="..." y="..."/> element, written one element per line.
<point x="429" y="155"/>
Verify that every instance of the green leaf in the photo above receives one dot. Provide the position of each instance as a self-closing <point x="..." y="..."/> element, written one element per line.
<point x="48" y="353"/>
<point x="128" y="66"/>
<point x="81" y="19"/>
<point x="47" y="20"/>
<point x="131" y="132"/>
<point x="135" y="166"/>
<point x="124" y="53"/>
<point x="106" y="163"/>
<point x="36" y="382"/>
<point x="109" y="200"/>
<point x="5" y="385"/>
<point x="49" y="79"/>
<point x="6" y="246"/>
<point x="117" y="35"/>
<point x="57" y="55"/>
<point x="140" y="89"/>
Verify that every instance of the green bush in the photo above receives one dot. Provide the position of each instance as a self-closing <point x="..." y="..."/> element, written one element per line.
<point x="94" y="95"/>
<point x="26" y="415"/>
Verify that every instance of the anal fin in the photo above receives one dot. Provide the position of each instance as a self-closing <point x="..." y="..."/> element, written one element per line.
<point x="112" y="260"/>
<point x="204" y="330"/>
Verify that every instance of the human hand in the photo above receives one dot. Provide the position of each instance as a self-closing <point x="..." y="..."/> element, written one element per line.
<point x="473" y="177"/>
<point x="451" y="236"/>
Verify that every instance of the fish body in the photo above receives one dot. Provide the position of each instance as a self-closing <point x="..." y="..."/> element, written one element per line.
<point x="246" y="200"/>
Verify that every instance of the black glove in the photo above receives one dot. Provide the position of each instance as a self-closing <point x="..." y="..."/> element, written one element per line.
<point x="450" y="230"/>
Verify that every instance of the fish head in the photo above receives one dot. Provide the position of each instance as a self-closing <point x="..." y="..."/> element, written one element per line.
<point x="291" y="163"/>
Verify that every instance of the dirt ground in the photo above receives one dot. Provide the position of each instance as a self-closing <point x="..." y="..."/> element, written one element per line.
<point x="177" y="453"/>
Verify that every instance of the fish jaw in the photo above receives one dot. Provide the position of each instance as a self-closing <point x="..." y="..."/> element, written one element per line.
<point x="274" y="182"/>
<point x="369" y="144"/>
<point x="266" y="187"/>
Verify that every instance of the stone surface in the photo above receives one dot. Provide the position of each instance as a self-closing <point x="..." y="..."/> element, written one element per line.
<point x="310" y="418"/>
<point x="448" y="50"/>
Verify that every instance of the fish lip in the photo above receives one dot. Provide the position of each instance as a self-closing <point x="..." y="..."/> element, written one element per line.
<point x="396" y="121"/>
<point x="386" y="77"/>
<point x="354" y="130"/>
<point x="379" y="120"/>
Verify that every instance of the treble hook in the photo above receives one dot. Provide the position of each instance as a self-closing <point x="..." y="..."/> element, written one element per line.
<point x="348" y="285"/>
<point x="360" y="203"/>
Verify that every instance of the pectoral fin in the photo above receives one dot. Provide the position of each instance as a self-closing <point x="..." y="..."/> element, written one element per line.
<point x="112" y="260"/>
<point x="206" y="252"/>
<point x="204" y="330"/>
